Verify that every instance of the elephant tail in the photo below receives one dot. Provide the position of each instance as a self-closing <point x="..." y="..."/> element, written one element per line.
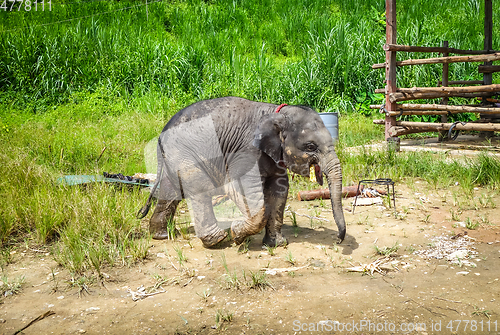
<point x="144" y="210"/>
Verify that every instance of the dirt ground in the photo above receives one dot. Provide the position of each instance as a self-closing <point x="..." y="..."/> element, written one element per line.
<point x="315" y="294"/>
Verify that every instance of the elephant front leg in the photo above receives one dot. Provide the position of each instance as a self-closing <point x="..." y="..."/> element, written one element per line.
<point x="276" y="192"/>
<point x="249" y="197"/>
<point x="252" y="225"/>
<point x="205" y="222"/>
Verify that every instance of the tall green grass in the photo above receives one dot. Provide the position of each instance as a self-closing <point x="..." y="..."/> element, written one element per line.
<point x="89" y="227"/>
<point x="301" y="51"/>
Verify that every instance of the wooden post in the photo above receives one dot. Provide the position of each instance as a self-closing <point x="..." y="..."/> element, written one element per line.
<point x="443" y="135"/>
<point x="390" y="60"/>
<point x="488" y="45"/>
<point x="488" y="36"/>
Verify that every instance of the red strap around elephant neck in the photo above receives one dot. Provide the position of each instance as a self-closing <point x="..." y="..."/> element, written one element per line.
<point x="280" y="106"/>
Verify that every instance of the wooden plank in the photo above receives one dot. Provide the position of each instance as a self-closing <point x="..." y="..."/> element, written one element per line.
<point x="390" y="58"/>
<point x="442" y="60"/>
<point x="410" y="48"/>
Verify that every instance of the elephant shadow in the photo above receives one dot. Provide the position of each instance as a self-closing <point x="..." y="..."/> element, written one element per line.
<point x="320" y="235"/>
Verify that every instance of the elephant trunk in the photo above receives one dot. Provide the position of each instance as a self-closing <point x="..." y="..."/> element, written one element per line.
<point x="330" y="165"/>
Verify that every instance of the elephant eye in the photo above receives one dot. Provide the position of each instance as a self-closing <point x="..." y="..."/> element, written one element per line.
<point x="311" y="146"/>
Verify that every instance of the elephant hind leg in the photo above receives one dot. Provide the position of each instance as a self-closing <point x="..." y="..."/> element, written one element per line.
<point x="162" y="217"/>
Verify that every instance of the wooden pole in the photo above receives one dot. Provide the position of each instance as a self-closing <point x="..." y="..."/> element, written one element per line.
<point x="440" y="60"/>
<point x="440" y="83"/>
<point x="440" y="112"/>
<point x="462" y="82"/>
<point x="390" y="59"/>
<point x="446" y="126"/>
<point x="488" y="43"/>
<point x="440" y="92"/>
<point x="409" y="48"/>
<point x="488" y="69"/>
<point x="444" y="118"/>
<point x="447" y="89"/>
<point x="488" y="36"/>
<point x="451" y="108"/>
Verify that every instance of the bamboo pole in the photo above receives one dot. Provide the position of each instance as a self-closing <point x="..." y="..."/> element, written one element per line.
<point x="446" y="126"/>
<point x="410" y="48"/>
<point x="400" y="131"/>
<point x="440" y="83"/>
<point x="416" y="96"/>
<point x="439" y="112"/>
<point x="451" y="108"/>
<point x="390" y="58"/>
<point x="439" y="92"/>
<point x="488" y="37"/>
<point x="441" y="60"/>
<point x="444" y="117"/>
<point x="488" y="68"/>
<point x="462" y="82"/>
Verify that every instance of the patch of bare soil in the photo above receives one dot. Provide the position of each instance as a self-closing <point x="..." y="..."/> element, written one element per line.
<point x="311" y="285"/>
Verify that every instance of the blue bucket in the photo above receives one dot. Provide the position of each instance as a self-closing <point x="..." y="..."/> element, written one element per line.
<point x="331" y="121"/>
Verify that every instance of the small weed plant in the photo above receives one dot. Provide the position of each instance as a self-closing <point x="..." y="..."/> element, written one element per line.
<point x="387" y="251"/>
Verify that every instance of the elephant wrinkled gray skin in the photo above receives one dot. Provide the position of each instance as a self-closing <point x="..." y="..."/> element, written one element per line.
<point x="240" y="148"/>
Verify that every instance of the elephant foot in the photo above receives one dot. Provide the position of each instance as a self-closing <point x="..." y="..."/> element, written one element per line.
<point x="277" y="241"/>
<point x="214" y="238"/>
<point x="159" y="222"/>
<point x="159" y="230"/>
<point x="238" y="231"/>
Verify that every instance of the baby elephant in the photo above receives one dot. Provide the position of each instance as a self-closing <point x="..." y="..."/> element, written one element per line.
<point x="243" y="149"/>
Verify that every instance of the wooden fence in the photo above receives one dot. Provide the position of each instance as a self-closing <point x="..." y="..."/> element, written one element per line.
<point x="482" y="89"/>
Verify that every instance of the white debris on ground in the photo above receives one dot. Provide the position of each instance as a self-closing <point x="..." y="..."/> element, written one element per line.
<point x="149" y="176"/>
<point x="142" y="293"/>
<point x="381" y="265"/>
<point x="457" y="249"/>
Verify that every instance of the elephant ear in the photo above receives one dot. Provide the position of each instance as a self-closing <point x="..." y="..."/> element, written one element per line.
<point x="269" y="135"/>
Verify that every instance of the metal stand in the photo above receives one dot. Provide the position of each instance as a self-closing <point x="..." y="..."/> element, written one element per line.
<point x="380" y="181"/>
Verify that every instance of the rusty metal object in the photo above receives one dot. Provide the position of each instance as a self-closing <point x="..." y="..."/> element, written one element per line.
<point x="379" y="181"/>
<point x="348" y="191"/>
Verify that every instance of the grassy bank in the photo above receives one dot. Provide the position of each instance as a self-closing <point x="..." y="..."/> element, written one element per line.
<point x="84" y="96"/>
<point x="94" y="227"/>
